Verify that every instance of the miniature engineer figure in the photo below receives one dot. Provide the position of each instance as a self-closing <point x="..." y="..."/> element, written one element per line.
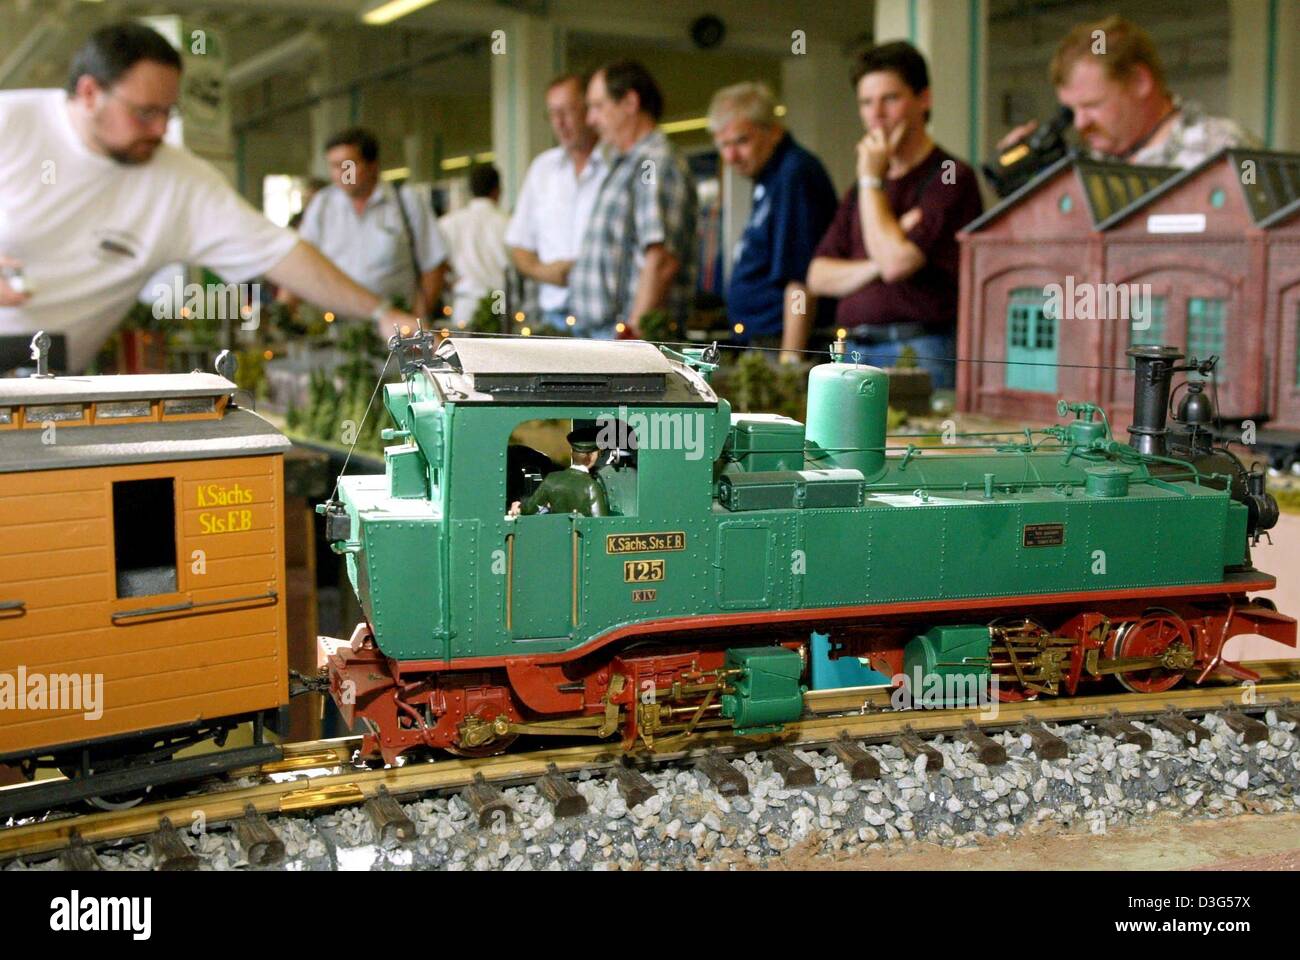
<point x="574" y="490"/>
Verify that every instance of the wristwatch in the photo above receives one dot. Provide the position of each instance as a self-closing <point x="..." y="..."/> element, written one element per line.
<point x="870" y="183"/>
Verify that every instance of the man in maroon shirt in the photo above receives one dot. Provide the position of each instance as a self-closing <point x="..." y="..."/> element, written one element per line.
<point x="891" y="252"/>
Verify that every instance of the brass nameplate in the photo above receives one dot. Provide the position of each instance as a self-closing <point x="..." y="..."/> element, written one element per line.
<point x="642" y="571"/>
<point x="645" y="542"/>
<point x="1044" y="534"/>
<point x="644" y="596"/>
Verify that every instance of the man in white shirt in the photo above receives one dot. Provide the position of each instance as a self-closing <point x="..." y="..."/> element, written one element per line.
<point x="556" y="199"/>
<point x="476" y="234"/>
<point x="93" y="203"/>
<point x="360" y="225"/>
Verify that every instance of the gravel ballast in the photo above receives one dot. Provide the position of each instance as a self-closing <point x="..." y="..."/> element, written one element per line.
<point x="689" y="825"/>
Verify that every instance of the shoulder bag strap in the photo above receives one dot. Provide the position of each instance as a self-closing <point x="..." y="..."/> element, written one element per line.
<point x="410" y="245"/>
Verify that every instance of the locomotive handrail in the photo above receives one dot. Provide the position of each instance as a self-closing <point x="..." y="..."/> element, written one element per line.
<point x="510" y="578"/>
<point x="574" y="577"/>
<point x="12" y="604"/>
<point x="190" y="605"/>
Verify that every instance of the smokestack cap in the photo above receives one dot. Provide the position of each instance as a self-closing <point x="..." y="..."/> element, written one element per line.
<point x="1152" y="351"/>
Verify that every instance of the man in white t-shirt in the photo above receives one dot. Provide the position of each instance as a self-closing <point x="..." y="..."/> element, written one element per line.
<point x="476" y="234"/>
<point x="556" y="199"/>
<point x="93" y="203"/>
<point x="359" y="223"/>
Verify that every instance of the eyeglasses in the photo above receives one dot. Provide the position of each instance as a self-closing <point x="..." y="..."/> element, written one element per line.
<point x="147" y="115"/>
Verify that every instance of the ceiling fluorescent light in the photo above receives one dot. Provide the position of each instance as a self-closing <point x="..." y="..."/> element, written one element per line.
<point x="392" y="10"/>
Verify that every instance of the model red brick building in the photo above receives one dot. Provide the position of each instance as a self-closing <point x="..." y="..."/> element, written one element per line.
<point x="1063" y="276"/>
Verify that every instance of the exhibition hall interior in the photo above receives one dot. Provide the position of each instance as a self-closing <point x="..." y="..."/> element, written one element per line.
<point x="585" y="435"/>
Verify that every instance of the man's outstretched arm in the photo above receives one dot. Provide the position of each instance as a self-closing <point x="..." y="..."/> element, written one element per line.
<point x="307" y="273"/>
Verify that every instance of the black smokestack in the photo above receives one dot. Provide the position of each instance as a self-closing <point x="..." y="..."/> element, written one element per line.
<point x="1152" y="373"/>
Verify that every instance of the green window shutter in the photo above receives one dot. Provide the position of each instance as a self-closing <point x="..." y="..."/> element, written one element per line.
<point x="1031" y="342"/>
<point x="1205" y="331"/>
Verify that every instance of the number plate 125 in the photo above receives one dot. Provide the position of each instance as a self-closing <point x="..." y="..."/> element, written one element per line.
<point x="642" y="571"/>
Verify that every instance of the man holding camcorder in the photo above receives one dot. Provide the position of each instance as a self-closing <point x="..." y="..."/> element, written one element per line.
<point x="1109" y="77"/>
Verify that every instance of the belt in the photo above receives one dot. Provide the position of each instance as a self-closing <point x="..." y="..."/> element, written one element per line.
<point x="887" y="332"/>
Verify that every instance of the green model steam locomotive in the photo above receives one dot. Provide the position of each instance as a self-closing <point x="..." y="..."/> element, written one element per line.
<point x="745" y="557"/>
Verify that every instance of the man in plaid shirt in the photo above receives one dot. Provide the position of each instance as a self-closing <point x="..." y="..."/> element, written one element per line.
<point x="638" y="253"/>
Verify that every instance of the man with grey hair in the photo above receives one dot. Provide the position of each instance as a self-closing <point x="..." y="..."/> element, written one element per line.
<point x="793" y="204"/>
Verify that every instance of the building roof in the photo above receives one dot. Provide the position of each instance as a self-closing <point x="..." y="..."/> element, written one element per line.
<point x="1113" y="190"/>
<point x="239" y="433"/>
<point x="535" y="370"/>
<point x="1110" y="190"/>
<point x="42" y="390"/>
<point x="1282" y="215"/>
<point x="1270" y="196"/>
<point x="1269" y="182"/>
<point x="1276" y="189"/>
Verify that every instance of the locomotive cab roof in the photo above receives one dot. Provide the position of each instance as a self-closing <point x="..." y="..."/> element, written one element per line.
<point x="562" y="371"/>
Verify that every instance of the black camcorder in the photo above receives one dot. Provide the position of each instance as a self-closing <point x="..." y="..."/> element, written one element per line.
<point x="1016" y="165"/>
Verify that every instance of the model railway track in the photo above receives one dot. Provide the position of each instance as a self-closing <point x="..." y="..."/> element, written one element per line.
<point x="841" y="721"/>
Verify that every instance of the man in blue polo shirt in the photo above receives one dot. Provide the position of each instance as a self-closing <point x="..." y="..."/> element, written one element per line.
<point x="794" y="202"/>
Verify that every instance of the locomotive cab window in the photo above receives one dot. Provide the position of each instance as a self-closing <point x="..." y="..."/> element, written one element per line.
<point x="144" y="537"/>
<point x="545" y="474"/>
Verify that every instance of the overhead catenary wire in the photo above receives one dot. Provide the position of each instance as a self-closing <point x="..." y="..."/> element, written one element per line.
<point x="379" y="382"/>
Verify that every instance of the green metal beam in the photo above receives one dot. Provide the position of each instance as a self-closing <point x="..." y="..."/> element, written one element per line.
<point x="1270" y="75"/>
<point x="975" y="13"/>
<point x="241" y="174"/>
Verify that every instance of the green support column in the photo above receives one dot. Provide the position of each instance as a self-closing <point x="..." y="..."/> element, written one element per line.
<point x="1264" y="70"/>
<point x="520" y="72"/>
<point x="953" y="36"/>
<point x="342" y="59"/>
<point x="821" y="108"/>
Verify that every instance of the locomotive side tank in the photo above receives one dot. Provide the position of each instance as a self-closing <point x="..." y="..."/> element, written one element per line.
<point x="1047" y="558"/>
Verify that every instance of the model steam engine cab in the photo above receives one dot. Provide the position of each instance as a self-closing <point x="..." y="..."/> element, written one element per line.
<point x="1043" y="560"/>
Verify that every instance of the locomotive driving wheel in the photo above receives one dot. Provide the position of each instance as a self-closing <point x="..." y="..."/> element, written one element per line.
<point x="1157" y="634"/>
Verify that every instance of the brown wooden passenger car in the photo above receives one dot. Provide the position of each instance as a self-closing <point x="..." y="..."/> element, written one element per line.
<point x="141" y="548"/>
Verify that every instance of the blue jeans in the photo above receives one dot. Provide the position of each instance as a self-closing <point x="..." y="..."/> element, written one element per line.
<point x="934" y="352"/>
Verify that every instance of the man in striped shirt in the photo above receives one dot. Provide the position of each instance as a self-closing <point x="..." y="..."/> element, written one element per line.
<point x="638" y="253"/>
